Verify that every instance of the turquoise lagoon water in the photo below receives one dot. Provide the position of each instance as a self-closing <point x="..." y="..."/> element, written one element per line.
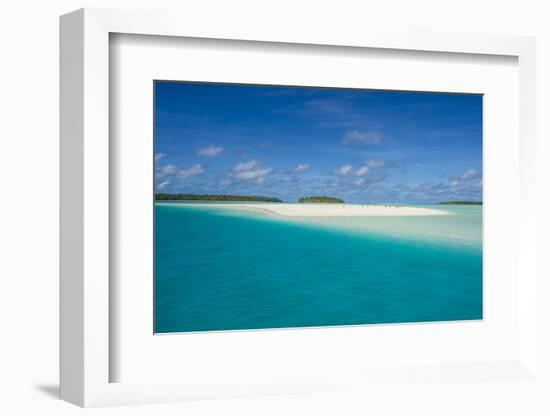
<point x="226" y="269"/>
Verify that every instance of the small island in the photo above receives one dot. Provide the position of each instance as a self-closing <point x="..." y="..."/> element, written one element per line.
<point x="215" y="198"/>
<point x="461" y="203"/>
<point x="321" y="199"/>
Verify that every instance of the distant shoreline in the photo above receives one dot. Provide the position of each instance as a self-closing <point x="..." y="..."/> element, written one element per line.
<point x="460" y="203"/>
<point x="321" y="199"/>
<point x="214" y="198"/>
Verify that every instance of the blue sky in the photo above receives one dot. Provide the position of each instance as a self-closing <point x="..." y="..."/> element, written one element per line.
<point x="359" y="145"/>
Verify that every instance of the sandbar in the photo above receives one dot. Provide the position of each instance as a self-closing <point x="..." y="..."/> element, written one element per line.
<point x="331" y="210"/>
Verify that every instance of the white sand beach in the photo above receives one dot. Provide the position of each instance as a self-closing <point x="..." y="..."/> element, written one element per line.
<point x="334" y="210"/>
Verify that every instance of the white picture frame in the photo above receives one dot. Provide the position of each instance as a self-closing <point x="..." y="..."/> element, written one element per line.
<point x="85" y="211"/>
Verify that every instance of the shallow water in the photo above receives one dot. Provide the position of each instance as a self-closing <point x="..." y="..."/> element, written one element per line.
<point x="223" y="268"/>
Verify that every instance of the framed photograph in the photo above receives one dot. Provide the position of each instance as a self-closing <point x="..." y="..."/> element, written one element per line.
<point x="292" y="207"/>
<point x="261" y="212"/>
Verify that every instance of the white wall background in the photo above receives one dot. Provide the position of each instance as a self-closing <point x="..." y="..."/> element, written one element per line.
<point x="29" y="205"/>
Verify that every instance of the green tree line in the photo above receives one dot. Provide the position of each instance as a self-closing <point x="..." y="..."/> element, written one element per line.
<point x="215" y="197"/>
<point x="324" y="199"/>
<point x="461" y="203"/>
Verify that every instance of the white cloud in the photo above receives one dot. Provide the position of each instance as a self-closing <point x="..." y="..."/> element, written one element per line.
<point x="191" y="171"/>
<point x="163" y="185"/>
<point x="345" y="170"/>
<point x="360" y="182"/>
<point x="375" y="163"/>
<point x="210" y="151"/>
<point x="471" y="174"/>
<point x="367" y="137"/>
<point x="169" y="170"/>
<point x="362" y="171"/>
<point x="470" y="178"/>
<point x="159" y="156"/>
<point x="182" y="173"/>
<point x="244" y="166"/>
<point x="251" y="170"/>
<point x="301" y="167"/>
<point x="254" y="173"/>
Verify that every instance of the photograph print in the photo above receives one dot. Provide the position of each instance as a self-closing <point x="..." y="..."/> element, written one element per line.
<point x="300" y="207"/>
